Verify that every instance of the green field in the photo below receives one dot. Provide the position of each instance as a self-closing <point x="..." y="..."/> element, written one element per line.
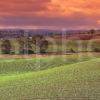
<point x="50" y="78"/>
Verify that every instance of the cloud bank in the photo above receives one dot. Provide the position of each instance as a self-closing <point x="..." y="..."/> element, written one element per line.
<point x="50" y="13"/>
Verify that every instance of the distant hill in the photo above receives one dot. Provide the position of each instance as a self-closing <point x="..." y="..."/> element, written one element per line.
<point x="15" y="33"/>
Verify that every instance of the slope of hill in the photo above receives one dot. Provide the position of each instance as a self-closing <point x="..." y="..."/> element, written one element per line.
<point x="12" y="66"/>
<point x="80" y="81"/>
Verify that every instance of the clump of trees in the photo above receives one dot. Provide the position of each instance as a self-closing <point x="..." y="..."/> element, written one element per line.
<point x="35" y="44"/>
<point x="96" y="49"/>
<point x="40" y="44"/>
<point x="27" y="45"/>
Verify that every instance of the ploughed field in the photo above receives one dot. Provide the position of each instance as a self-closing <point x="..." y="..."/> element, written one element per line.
<point x="50" y="78"/>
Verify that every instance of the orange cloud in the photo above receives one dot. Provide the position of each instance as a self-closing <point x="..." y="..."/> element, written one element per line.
<point x="51" y="7"/>
<point x="69" y="7"/>
<point x="51" y="12"/>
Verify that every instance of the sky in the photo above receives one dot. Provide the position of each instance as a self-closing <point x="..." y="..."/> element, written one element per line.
<point x="50" y="14"/>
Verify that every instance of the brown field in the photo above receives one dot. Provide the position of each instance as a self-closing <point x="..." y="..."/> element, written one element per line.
<point x="8" y="56"/>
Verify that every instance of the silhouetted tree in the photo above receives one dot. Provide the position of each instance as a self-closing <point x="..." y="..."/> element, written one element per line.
<point x="21" y="43"/>
<point x="72" y="50"/>
<point x="41" y="44"/>
<point x="6" y="47"/>
<point x="25" y="45"/>
<point x="92" y="31"/>
<point x="29" y="46"/>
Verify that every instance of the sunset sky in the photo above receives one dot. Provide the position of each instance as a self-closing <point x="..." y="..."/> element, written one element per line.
<point x="52" y="14"/>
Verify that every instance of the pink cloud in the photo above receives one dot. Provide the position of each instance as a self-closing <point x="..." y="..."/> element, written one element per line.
<point x="58" y="13"/>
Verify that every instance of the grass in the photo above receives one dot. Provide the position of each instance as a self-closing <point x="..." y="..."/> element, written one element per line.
<point x="79" y="81"/>
<point x="29" y="65"/>
<point x="48" y="78"/>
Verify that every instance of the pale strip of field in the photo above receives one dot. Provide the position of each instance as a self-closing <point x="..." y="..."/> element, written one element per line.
<point x="8" y="56"/>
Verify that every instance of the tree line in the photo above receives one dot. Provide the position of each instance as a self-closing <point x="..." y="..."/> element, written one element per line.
<point x="27" y="45"/>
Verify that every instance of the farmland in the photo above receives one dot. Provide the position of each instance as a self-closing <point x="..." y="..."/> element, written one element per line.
<point x="50" y="50"/>
<point x="52" y="80"/>
<point x="34" y="64"/>
<point x="68" y="70"/>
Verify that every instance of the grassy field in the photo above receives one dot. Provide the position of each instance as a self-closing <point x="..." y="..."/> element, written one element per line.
<point x="10" y="66"/>
<point x="50" y="78"/>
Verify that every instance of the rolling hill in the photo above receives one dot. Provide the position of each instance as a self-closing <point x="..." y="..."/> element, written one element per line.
<point x="77" y="81"/>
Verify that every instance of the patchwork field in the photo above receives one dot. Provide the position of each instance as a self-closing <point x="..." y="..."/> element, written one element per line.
<point x="50" y="78"/>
